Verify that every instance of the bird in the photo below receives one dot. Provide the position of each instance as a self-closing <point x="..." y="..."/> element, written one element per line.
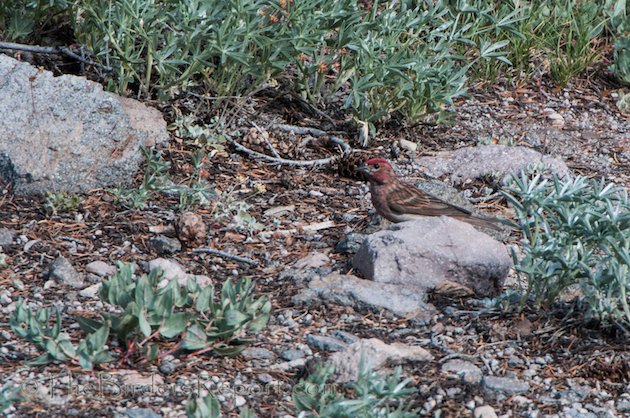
<point x="398" y="201"/>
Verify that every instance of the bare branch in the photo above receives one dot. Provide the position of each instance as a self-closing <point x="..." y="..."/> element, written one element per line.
<point x="301" y="130"/>
<point x="282" y="161"/>
<point x="62" y="50"/>
<point x="264" y="137"/>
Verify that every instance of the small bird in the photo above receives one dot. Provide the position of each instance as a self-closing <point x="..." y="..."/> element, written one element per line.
<point x="397" y="201"/>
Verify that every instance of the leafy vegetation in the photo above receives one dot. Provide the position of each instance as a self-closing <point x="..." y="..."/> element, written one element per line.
<point x="149" y="310"/>
<point x="373" y="396"/>
<point x="575" y="233"/>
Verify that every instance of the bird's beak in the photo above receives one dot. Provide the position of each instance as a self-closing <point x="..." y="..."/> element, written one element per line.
<point x="363" y="169"/>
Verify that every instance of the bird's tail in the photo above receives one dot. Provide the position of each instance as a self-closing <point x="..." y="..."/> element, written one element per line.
<point x="485" y="222"/>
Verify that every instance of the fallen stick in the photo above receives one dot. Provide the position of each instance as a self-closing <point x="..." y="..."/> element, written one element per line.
<point x="276" y="160"/>
<point x="52" y="50"/>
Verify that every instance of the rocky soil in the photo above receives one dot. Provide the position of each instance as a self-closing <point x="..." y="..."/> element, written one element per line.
<point x="475" y="360"/>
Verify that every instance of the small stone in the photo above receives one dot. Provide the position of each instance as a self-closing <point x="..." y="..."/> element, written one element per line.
<point x="6" y="237"/>
<point x="466" y="371"/>
<point x="137" y="413"/>
<point x="239" y="401"/>
<point x="5" y="299"/>
<point x="325" y="343"/>
<point x="91" y="292"/>
<point x="100" y="268"/>
<point x="292" y="354"/>
<point x="375" y="354"/>
<point x="167" y="367"/>
<point x="350" y="243"/>
<point x="163" y="245"/>
<point x="504" y="384"/>
<point x="63" y="272"/>
<point x="265" y="378"/>
<point x="344" y="336"/>
<point x="520" y="400"/>
<point x="258" y="353"/>
<point x="485" y="411"/>
<point x="407" y="145"/>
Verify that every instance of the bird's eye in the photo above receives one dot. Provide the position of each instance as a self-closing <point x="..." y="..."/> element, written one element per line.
<point x="377" y="166"/>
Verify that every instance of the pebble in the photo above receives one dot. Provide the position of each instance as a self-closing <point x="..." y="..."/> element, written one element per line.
<point x="325" y="343"/>
<point x="485" y="411"/>
<point x="163" y="245"/>
<point x="505" y="384"/>
<point x="137" y="413"/>
<point x="6" y="237"/>
<point x="465" y="370"/>
<point x="292" y="354"/>
<point x="100" y="268"/>
<point x="63" y="272"/>
<point x="257" y="353"/>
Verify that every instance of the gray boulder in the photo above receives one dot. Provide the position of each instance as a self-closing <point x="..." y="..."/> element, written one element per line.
<point x="427" y="252"/>
<point x="469" y="163"/>
<point x="66" y="134"/>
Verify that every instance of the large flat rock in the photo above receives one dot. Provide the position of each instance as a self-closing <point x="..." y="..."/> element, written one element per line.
<point x="469" y="163"/>
<point x="66" y="134"/>
<point x="429" y="252"/>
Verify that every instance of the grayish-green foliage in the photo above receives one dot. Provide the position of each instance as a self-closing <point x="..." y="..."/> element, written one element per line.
<point x="576" y="232"/>
<point x="149" y="310"/>
<point x="373" y="396"/>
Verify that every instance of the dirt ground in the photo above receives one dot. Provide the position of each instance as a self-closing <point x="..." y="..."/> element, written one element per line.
<point x="594" y="140"/>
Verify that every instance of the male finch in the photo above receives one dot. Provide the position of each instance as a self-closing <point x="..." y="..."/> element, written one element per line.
<point x="397" y="201"/>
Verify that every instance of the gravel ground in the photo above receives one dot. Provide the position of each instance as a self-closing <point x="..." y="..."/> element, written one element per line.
<point x="487" y="361"/>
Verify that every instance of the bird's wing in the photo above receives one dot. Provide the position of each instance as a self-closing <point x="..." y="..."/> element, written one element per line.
<point x="407" y="199"/>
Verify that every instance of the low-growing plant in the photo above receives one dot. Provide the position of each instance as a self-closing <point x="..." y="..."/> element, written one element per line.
<point x="576" y="232"/>
<point x="190" y="314"/>
<point x="147" y="310"/>
<point x="9" y="395"/>
<point x="621" y="63"/>
<point x="20" y="19"/>
<point x="155" y="179"/>
<point x="373" y="395"/>
<point x="62" y="202"/>
<point x="35" y="326"/>
<point x="208" y="407"/>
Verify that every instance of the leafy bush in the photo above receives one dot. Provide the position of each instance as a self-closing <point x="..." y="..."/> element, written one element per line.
<point x="19" y="18"/>
<point x="395" y="57"/>
<point x="560" y="39"/>
<point x="34" y="327"/>
<point x="575" y="232"/>
<point x="148" y="310"/>
<point x="375" y="396"/>
<point x="8" y="396"/>
<point x="621" y="63"/>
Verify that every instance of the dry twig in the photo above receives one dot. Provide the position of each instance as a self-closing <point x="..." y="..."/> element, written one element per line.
<point x="277" y="159"/>
<point x="52" y="50"/>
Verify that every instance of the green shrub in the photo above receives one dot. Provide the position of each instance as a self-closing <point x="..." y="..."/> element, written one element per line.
<point x="398" y="56"/>
<point x="374" y="396"/>
<point x="560" y="39"/>
<point x="621" y="63"/>
<point x="19" y="19"/>
<point x="148" y="311"/>
<point x="575" y="233"/>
